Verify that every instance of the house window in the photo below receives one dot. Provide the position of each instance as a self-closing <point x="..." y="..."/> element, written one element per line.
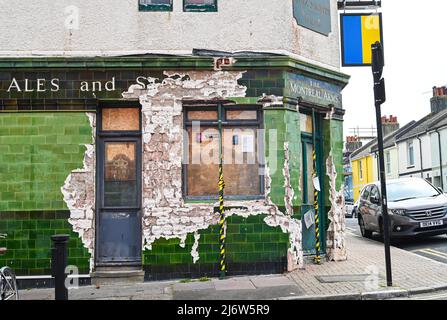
<point x="155" y="5"/>
<point x="388" y="162"/>
<point x="410" y="155"/>
<point x="200" y="5"/>
<point x="242" y="152"/>
<point x="360" y="169"/>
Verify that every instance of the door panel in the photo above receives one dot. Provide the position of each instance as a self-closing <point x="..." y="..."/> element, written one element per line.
<point x="119" y="225"/>
<point x="308" y="234"/>
<point x="119" y="239"/>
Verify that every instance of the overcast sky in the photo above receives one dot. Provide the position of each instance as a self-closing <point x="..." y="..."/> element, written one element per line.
<point x="415" y="60"/>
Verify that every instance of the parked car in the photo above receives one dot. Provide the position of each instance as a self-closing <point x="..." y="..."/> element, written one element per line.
<point x="355" y="209"/>
<point x="349" y="204"/>
<point x="415" y="208"/>
<point x="351" y="208"/>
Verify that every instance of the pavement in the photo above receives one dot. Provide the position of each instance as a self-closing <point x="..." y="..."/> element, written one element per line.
<point x="361" y="277"/>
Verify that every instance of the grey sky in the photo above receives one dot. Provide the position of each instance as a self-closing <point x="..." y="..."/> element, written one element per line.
<point x="415" y="61"/>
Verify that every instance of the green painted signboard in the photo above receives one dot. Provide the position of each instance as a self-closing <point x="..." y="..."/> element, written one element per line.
<point x="312" y="90"/>
<point x="313" y="14"/>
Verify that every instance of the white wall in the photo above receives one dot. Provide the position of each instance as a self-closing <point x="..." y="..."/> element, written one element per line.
<point x="394" y="174"/>
<point x="116" y="26"/>
<point x="404" y="168"/>
<point x="435" y="154"/>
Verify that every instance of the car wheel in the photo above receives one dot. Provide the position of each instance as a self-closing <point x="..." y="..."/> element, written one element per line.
<point x="365" y="233"/>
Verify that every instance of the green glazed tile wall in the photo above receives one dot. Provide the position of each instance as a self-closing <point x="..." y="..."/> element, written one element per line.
<point x="248" y="240"/>
<point x="37" y="153"/>
<point x="29" y="241"/>
<point x="258" y="82"/>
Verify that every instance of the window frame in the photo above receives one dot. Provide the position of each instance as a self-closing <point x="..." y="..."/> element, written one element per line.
<point x="258" y="124"/>
<point x="410" y="156"/>
<point x="155" y="7"/>
<point x="361" y="169"/>
<point x="388" y="162"/>
<point x="104" y="137"/>
<point x="199" y="8"/>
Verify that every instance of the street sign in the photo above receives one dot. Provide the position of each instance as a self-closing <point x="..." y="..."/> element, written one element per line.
<point x="358" y="32"/>
<point x="314" y="15"/>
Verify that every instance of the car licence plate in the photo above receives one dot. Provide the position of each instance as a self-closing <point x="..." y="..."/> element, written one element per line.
<point x="427" y="224"/>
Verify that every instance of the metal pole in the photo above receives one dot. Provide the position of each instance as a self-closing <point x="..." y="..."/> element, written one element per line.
<point x="379" y="98"/>
<point x="386" y="219"/>
<point x="58" y="265"/>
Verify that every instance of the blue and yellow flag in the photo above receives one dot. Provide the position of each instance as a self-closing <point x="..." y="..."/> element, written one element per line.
<point x="358" y="33"/>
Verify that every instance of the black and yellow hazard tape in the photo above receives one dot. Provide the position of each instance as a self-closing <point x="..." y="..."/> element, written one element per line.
<point x="222" y="223"/>
<point x="317" y="259"/>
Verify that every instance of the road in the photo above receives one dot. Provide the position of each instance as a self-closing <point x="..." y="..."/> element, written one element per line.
<point x="434" y="248"/>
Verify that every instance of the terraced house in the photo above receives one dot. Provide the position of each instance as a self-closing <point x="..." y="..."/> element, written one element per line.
<point x="115" y="116"/>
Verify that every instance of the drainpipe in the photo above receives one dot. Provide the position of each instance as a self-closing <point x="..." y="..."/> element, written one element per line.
<point x="378" y="165"/>
<point x="440" y="158"/>
<point x="420" y="155"/>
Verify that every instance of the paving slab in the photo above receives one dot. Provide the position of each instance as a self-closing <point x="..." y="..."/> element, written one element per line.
<point x="192" y="286"/>
<point x="269" y="293"/>
<point x="271" y="281"/>
<point x="233" y="284"/>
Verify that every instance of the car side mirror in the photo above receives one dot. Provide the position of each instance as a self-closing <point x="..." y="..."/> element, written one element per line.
<point x="375" y="200"/>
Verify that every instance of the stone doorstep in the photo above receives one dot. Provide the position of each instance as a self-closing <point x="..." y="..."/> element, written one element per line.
<point x="120" y="275"/>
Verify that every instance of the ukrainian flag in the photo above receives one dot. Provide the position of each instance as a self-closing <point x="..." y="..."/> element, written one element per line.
<point x="359" y="32"/>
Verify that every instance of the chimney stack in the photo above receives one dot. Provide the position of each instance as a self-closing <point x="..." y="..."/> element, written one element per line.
<point x="389" y="125"/>
<point x="439" y="100"/>
<point x="353" y="143"/>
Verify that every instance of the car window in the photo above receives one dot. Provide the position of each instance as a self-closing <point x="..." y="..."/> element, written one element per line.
<point x="410" y="189"/>
<point x="366" y="191"/>
<point x="374" y="192"/>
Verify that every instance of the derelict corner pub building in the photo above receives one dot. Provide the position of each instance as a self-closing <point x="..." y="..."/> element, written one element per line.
<point x="90" y="147"/>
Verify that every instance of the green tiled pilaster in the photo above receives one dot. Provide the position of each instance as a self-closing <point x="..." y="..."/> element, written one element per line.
<point x="283" y="124"/>
<point x="333" y="140"/>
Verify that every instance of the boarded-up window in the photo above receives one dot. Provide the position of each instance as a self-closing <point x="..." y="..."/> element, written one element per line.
<point x="202" y="115"/>
<point x="121" y="119"/>
<point x="306" y="123"/>
<point x="241" y="149"/>
<point x="242" y="114"/>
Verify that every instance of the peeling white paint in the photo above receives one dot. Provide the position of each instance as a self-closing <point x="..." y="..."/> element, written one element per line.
<point x="336" y="234"/>
<point x="79" y="195"/>
<point x="288" y="190"/>
<point x="165" y="214"/>
<point x="194" y="249"/>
